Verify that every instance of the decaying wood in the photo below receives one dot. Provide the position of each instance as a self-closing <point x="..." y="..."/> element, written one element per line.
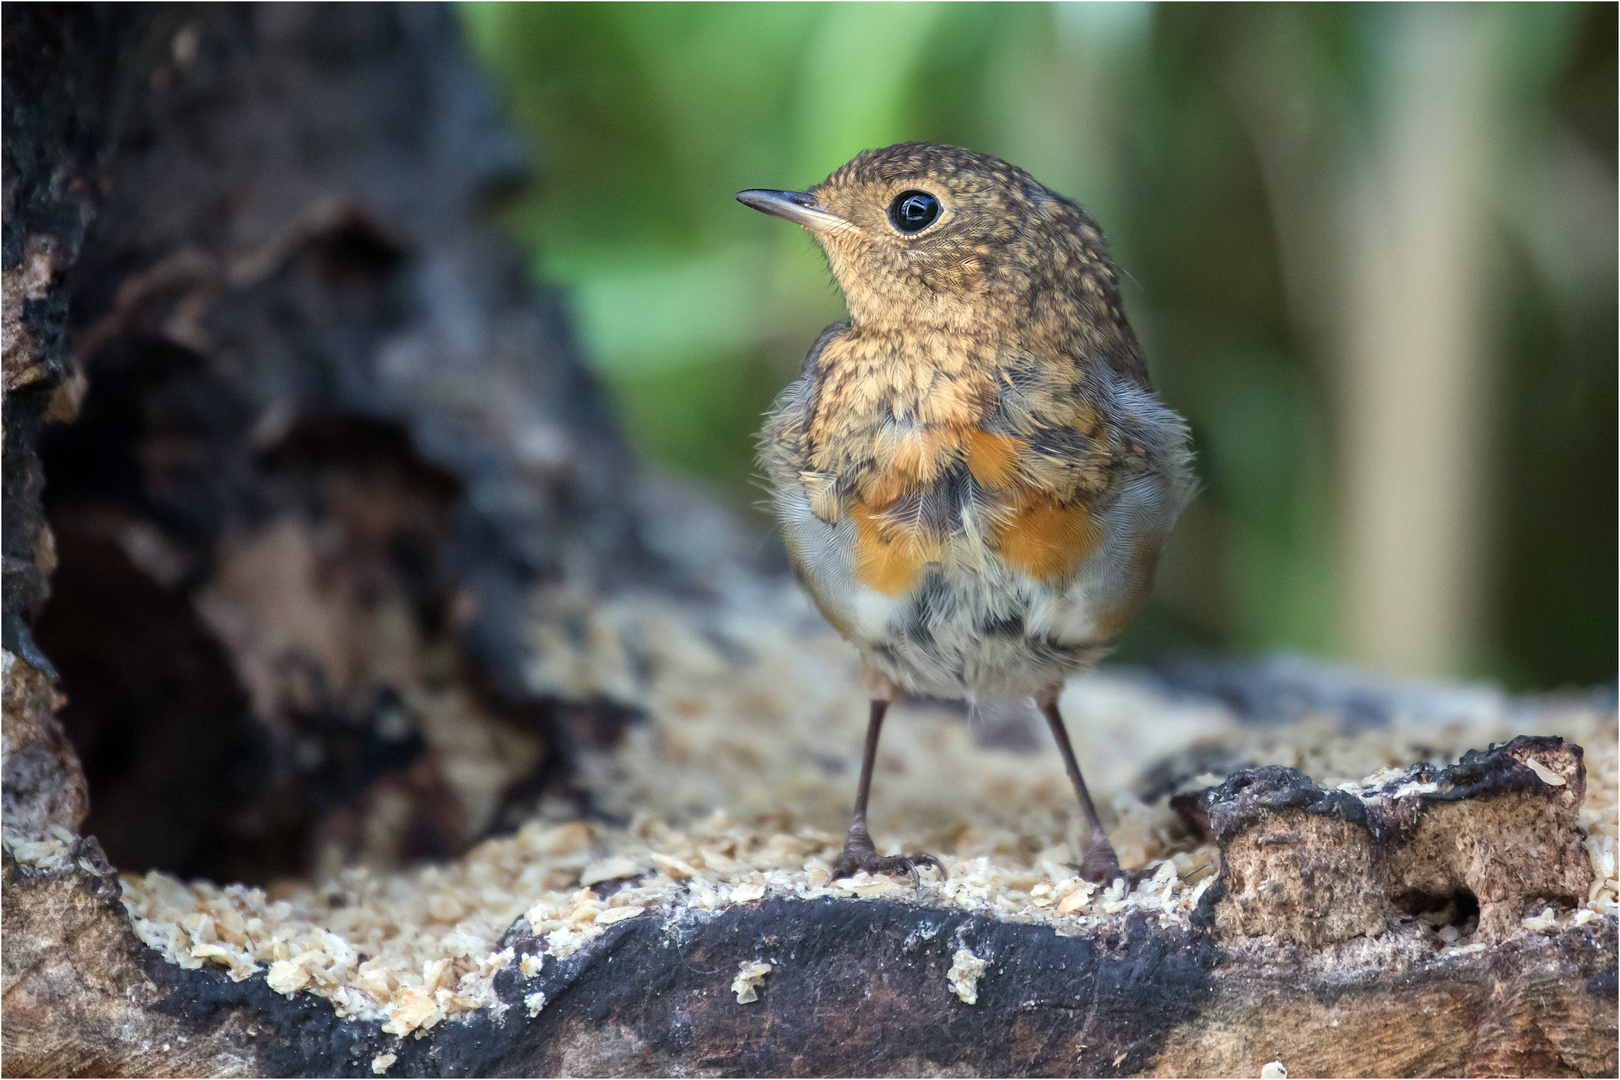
<point x="862" y="986"/>
<point x="274" y="212"/>
<point x="325" y="443"/>
<point x="1315" y="867"/>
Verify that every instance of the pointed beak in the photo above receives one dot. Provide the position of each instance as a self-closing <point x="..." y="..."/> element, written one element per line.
<point x="799" y="207"/>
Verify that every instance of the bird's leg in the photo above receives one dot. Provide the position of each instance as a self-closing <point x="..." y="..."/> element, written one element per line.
<point x="859" y="852"/>
<point x="1097" y="861"/>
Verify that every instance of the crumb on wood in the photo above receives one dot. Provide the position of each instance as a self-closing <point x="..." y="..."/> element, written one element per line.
<point x="964" y="976"/>
<point x="746" y="984"/>
<point x="419" y="946"/>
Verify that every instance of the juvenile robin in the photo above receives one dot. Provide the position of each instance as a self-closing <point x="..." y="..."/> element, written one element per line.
<point x="972" y="475"/>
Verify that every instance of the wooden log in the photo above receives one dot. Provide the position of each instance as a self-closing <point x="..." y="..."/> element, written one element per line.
<point x="857" y="986"/>
<point x="325" y="443"/>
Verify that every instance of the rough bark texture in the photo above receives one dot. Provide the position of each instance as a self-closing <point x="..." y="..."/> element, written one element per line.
<point x="61" y="74"/>
<point x="1314" y="867"/>
<point x="861" y="986"/>
<point x="326" y="442"/>
<point x="323" y="448"/>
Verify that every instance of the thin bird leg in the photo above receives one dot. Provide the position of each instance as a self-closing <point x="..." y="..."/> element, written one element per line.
<point x="1098" y="861"/>
<point x="859" y="853"/>
<point x="874" y="731"/>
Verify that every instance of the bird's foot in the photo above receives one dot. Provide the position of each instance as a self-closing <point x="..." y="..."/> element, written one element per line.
<point x="1100" y="865"/>
<point x="859" y="854"/>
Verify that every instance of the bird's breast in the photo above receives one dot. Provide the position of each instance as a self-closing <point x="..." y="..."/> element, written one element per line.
<point x="974" y="512"/>
<point x="925" y="468"/>
<point x="999" y="596"/>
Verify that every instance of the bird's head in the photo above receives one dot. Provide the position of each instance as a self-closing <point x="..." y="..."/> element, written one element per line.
<point x="921" y="235"/>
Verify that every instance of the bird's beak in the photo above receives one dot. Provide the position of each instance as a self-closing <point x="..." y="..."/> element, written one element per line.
<point x="799" y="207"/>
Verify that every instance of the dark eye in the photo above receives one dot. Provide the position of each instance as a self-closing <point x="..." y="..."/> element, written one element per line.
<point x="913" y="211"/>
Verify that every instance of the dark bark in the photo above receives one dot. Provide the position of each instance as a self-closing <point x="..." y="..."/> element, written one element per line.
<point x="304" y="349"/>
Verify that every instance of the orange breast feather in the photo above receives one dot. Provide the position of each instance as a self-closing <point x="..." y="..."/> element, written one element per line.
<point x="1045" y="538"/>
<point x="887" y="557"/>
<point x="992" y="458"/>
<point x="1037" y="531"/>
<point x="891" y="550"/>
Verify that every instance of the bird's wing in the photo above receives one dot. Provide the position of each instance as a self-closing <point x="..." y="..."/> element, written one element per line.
<point x="784" y="441"/>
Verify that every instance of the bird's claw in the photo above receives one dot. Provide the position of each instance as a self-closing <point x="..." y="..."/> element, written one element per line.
<point x="1100" y="866"/>
<point x="859" y="854"/>
<point x="1099" y="863"/>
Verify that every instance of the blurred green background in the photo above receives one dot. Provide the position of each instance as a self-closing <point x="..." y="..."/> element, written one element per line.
<point x="1371" y="252"/>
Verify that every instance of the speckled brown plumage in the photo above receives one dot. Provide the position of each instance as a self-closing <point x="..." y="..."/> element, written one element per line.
<point x="972" y="475"/>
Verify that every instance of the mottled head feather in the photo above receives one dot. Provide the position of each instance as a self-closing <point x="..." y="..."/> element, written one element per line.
<point x="1007" y="259"/>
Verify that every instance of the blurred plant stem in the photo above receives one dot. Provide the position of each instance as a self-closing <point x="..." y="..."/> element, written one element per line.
<point x="1416" y="347"/>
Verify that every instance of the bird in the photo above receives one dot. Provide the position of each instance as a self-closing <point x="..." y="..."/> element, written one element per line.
<point x="972" y="475"/>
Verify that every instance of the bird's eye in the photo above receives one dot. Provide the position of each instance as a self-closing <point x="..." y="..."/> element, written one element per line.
<point x="913" y="211"/>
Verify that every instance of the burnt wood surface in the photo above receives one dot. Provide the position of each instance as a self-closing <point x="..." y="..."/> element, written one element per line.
<point x="860" y="987"/>
<point x="249" y="256"/>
